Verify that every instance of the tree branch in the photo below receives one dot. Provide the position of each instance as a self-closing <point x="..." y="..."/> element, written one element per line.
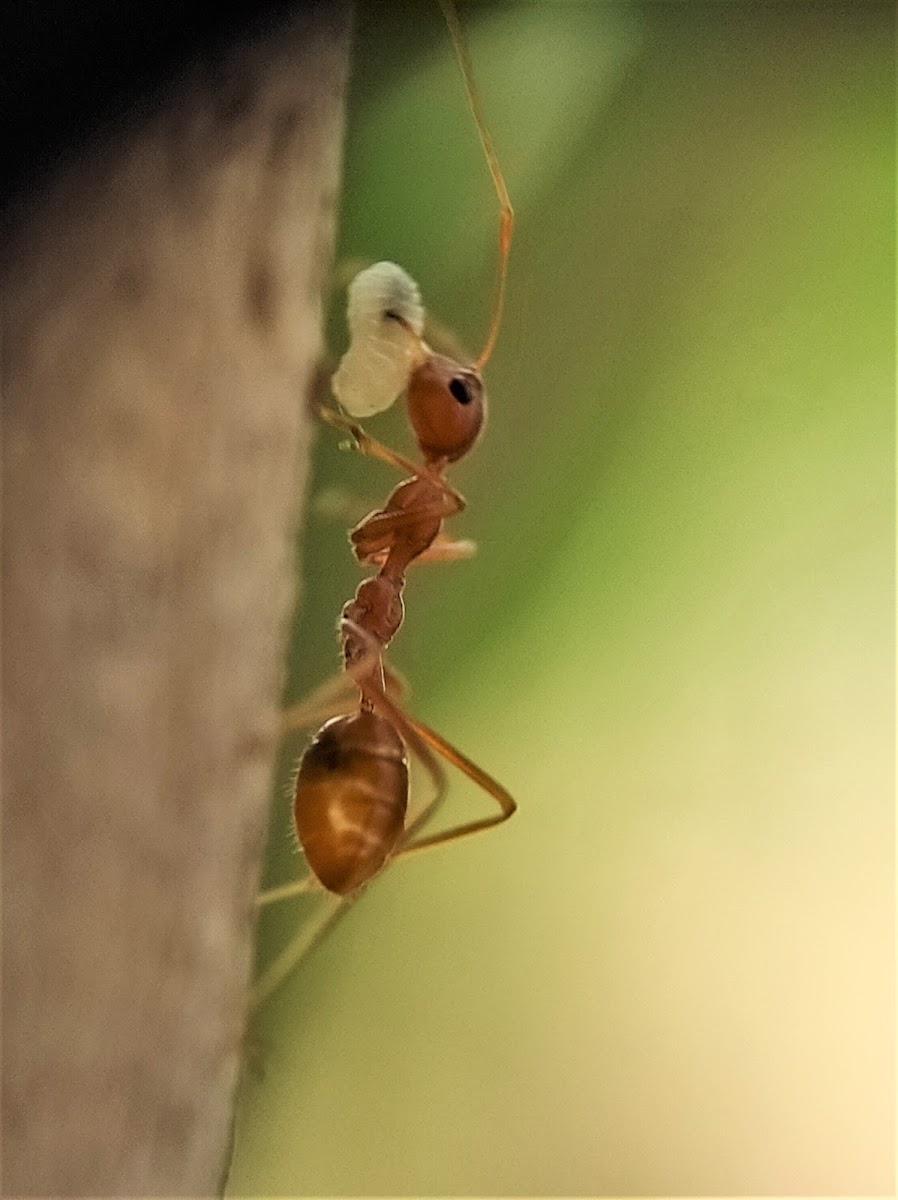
<point x="161" y="300"/>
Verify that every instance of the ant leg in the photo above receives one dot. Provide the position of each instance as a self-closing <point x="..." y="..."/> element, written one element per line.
<point x="370" y="446"/>
<point x="335" y="697"/>
<point x="330" y="699"/>
<point x="417" y="733"/>
<point x="447" y="549"/>
<point x="442" y="549"/>
<point x="308" y="936"/>
<point x="507" y="806"/>
<point x="422" y="741"/>
<point x="366" y="444"/>
<point x="308" y="883"/>
<point x="438" y="778"/>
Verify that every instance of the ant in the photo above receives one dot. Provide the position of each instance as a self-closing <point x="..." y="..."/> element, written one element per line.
<point x="351" y="789"/>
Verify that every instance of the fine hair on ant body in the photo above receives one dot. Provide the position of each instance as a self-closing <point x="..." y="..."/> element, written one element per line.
<point x="351" y="790"/>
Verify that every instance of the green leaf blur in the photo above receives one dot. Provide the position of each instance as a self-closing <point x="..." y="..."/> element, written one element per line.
<point x="672" y="972"/>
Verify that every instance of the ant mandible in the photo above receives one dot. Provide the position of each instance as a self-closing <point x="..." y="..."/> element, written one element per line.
<point x="351" y="791"/>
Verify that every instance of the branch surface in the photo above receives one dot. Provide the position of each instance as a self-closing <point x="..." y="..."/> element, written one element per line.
<point x="162" y="311"/>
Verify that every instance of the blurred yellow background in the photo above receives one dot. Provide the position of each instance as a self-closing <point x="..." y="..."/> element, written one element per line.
<point x="673" y="971"/>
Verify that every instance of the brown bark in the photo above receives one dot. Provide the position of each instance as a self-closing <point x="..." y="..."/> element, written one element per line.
<point x="161" y="306"/>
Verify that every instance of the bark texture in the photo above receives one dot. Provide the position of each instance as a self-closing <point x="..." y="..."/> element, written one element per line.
<point x="161" y="301"/>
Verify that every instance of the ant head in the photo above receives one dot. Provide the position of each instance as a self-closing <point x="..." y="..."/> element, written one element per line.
<point x="446" y="407"/>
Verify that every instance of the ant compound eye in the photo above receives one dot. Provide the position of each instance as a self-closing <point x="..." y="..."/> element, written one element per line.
<point x="459" y="390"/>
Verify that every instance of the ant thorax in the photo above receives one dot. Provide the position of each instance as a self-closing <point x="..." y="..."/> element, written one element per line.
<point x="386" y="320"/>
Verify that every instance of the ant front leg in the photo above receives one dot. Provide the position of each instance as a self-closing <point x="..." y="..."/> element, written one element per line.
<point x="366" y="444"/>
<point x="371" y="447"/>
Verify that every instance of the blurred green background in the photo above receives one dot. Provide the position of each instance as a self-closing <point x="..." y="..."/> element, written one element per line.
<point x="673" y="971"/>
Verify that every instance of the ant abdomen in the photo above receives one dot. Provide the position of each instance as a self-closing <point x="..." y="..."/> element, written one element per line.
<point x="350" y="799"/>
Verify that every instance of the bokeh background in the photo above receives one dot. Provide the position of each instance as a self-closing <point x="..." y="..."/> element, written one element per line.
<point x="673" y="971"/>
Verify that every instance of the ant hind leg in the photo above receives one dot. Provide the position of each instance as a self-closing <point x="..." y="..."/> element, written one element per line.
<point x="425" y="741"/>
<point x="303" y="942"/>
<point x="438" y="779"/>
<point x="432" y="740"/>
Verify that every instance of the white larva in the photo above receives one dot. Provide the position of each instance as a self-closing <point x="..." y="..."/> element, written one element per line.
<point x="386" y="320"/>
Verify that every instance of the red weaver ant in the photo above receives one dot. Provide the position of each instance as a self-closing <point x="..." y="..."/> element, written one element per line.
<point x="351" y="790"/>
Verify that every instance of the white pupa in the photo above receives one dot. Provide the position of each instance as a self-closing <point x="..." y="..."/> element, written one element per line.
<point x="386" y="319"/>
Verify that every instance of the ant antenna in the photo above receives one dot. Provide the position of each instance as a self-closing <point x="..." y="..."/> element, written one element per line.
<point x="506" y="212"/>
